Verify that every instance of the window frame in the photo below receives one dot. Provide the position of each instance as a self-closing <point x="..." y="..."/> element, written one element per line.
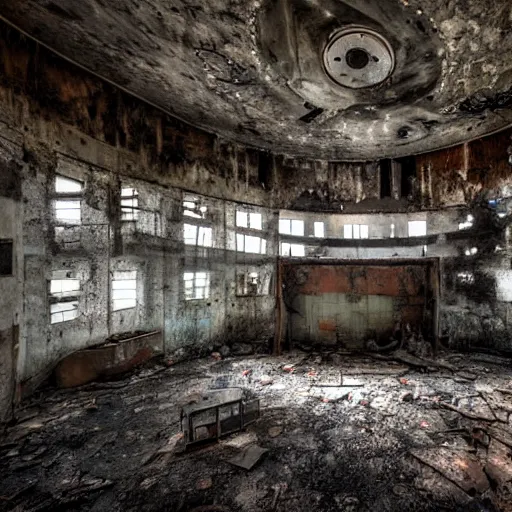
<point x="129" y="213"/>
<point x="131" y="276"/>
<point x="193" y="277"/>
<point x="62" y="197"/>
<point x="291" y="223"/>
<point x="59" y="299"/>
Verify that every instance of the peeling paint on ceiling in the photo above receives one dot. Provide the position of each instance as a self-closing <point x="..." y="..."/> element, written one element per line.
<point x="253" y="71"/>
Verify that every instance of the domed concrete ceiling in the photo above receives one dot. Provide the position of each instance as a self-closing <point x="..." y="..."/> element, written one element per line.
<point x="341" y="80"/>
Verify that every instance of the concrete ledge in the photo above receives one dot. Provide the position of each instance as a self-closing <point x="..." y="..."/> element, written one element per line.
<point x="87" y="365"/>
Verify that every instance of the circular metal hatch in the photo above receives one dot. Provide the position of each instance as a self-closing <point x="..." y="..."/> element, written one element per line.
<point x="358" y="57"/>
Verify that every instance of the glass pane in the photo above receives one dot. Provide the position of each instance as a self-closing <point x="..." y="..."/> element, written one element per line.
<point x="201" y="275"/>
<point x="128" y="192"/>
<point x="205" y="237"/>
<point x="241" y="219"/>
<point x="297" y="250"/>
<point x="123" y="304"/>
<point x="364" y="230"/>
<point x="253" y="244"/>
<point x="124" y="294"/>
<point x="319" y="229"/>
<point x="240" y="242"/>
<point x="263" y="247"/>
<point x="188" y="213"/>
<point x="67" y="185"/>
<point x="126" y="275"/>
<point x="188" y="276"/>
<point x="69" y="315"/>
<point x="124" y="284"/>
<point x="298" y="227"/>
<point x="347" y="231"/>
<point x="355" y="231"/>
<point x="285" y="249"/>
<point x="417" y="228"/>
<point x="70" y="285"/>
<point x="190" y="234"/>
<point x="285" y="226"/>
<point x="67" y="205"/>
<point x="255" y="221"/>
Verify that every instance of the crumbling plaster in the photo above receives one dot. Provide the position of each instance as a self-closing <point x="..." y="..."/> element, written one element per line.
<point x="251" y="70"/>
<point x="50" y="123"/>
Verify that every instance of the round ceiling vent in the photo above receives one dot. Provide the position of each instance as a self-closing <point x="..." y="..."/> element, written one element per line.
<point x="358" y="57"/>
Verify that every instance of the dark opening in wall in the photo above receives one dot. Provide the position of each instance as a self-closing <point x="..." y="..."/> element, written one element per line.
<point x="5" y="257"/>
<point x="408" y="174"/>
<point x="385" y="178"/>
<point x="265" y="170"/>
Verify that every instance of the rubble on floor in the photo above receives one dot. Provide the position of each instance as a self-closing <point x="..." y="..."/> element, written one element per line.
<point x="339" y="433"/>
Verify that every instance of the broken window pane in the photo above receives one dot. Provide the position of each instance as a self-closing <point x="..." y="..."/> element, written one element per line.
<point x="192" y="208"/>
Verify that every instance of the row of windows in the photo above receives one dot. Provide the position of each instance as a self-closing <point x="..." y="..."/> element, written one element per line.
<point x="65" y="290"/>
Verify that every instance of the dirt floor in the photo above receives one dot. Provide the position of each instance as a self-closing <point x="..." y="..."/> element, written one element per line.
<point x="344" y="433"/>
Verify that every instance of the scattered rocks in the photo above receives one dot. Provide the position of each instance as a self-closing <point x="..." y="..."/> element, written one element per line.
<point x="275" y="431"/>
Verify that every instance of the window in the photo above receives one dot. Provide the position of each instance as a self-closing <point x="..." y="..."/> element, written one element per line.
<point x="392" y="231"/>
<point x="124" y="290"/>
<point x="249" y="284"/>
<point x="294" y="250"/>
<point x="319" y="229"/>
<point x="291" y="227"/>
<point x="6" y="267"/>
<point x="417" y="227"/>
<point x="248" y="220"/>
<point x="197" y="285"/>
<point x="192" y="208"/>
<point x="68" y="203"/>
<point x="250" y="244"/>
<point x="64" y="293"/>
<point x="129" y="204"/>
<point x="197" y="235"/>
<point x="356" y="231"/>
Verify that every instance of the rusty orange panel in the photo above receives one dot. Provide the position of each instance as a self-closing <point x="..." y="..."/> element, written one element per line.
<point x="327" y="325"/>
<point x="401" y="281"/>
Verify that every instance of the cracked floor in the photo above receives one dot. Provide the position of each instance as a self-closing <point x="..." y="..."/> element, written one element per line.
<point x="344" y="432"/>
